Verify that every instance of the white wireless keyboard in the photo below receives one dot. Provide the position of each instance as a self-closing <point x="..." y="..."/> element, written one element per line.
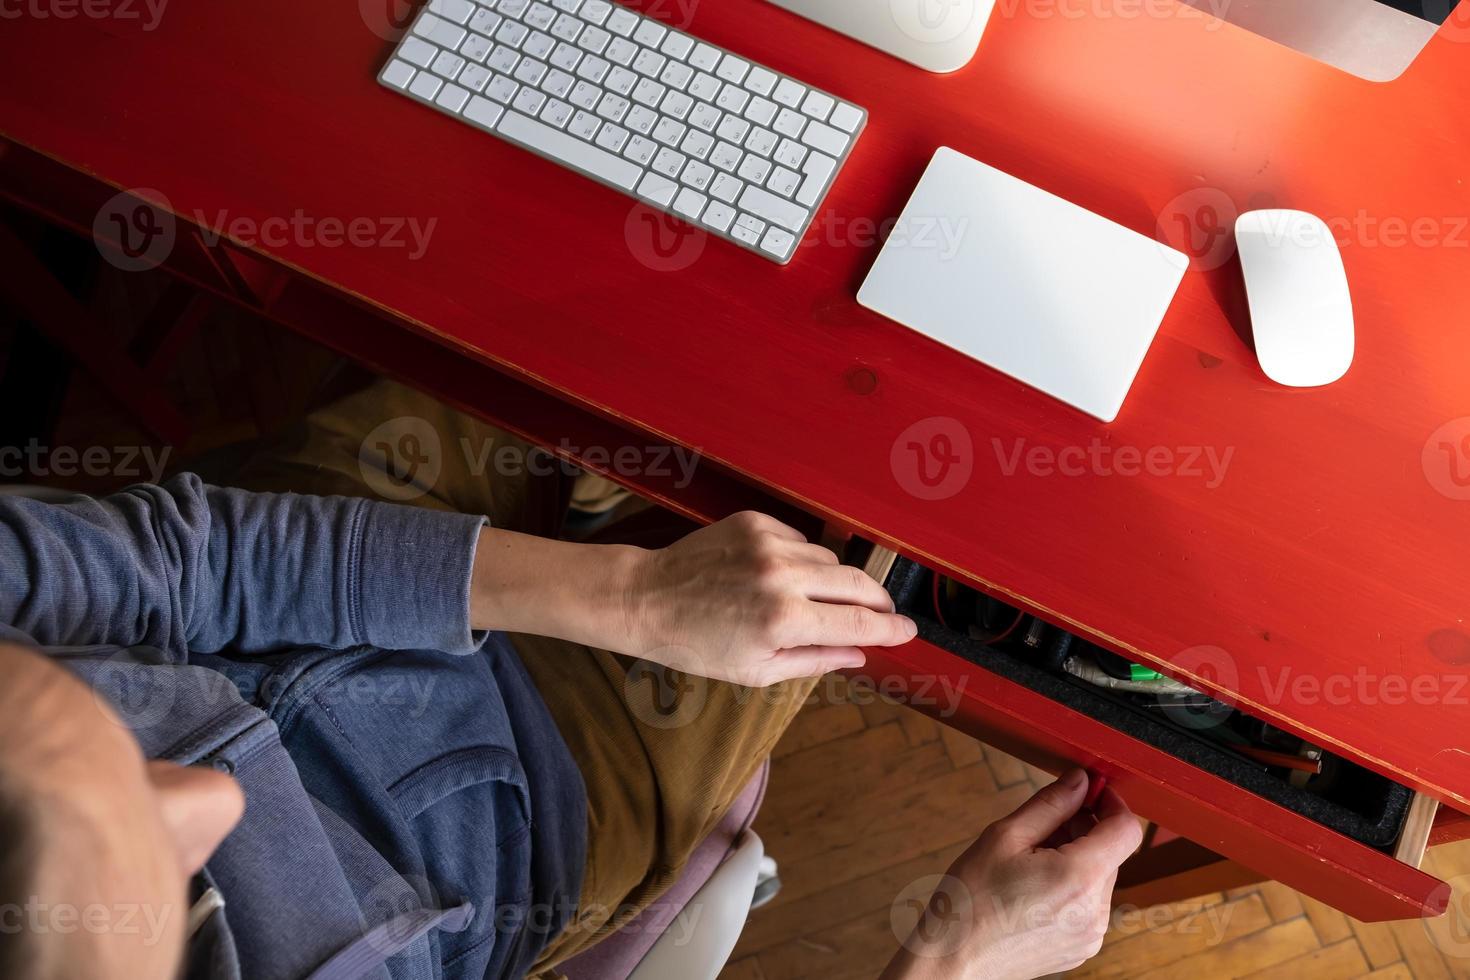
<point x="730" y="146"/>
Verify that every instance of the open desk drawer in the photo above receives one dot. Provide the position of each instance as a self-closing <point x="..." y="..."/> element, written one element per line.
<point x="1342" y="851"/>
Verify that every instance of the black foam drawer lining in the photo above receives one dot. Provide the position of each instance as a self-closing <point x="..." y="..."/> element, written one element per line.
<point x="1364" y="805"/>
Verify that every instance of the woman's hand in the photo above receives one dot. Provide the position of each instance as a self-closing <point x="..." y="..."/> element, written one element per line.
<point x="746" y="600"/>
<point x="749" y="600"/>
<point x="1031" y="897"/>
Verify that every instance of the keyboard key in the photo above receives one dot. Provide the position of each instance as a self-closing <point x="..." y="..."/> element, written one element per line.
<point x="425" y="86"/>
<point x="512" y="33"/>
<point x="540" y="16"/>
<point x="817" y="105"/>
<point x="790" y="123"/>
<point x="501" y="89"/>
<point x="584" y="95"/>
<point x="613" y="107"/>
<point x="657" y="188"/>
<point x="485" y="21"/>
<point x="583" y="125"/>
<point x="704" y="87"/>
<point x="642" y="119"/>
<point x="418" y="51"/>
<point x="475" y="48"/>
<point x="611" y="137"/>
<point x="640" y="150"/>
<point x="669" y="131"/>
<point x="754" y="168"/>
<point x="690" y="203"/>
<point x="453" y="98"/>
<point x="697" y="144"/>
<point x="676" y="104"/>
<point x="566" y="27"/>
<point x="818" y="168"/>
<point x="565" y="56"/>
<point x="398" y="73"/>
<point x="649" y="33"/>
<point x="528" y="100"/>
<point x="677" y="45"/>
<point x="748" y="229"/>
<point x="697" y="175"/>
<point x="622" y="51"/>
<point x="596" y="11"/>
<point x="439" y="31"/>
<point x="760" y="80"/>
<point x="778" y="242"/>
<point x="622" y="21"/>
<point x="474" y="78"/>
<point x="649" y="92"/>
<point x="621" y="81"/>
<point x="483" y="111"/>
<point x="649" y="63"/>
<point x="705" y="56"/>
<point x="593" y="68"/>
<point x="718" y="216"/>
<point x="570" y="150"/>
<point x="726" y="188"/>
<point x="669" y="162"/>
<point x="556" y="113"/>
<point x="732" y="69"/>
<point x="676" y="74"/>
<point x="502" y="59"/>
<point x="594" y="39"/>
<point x="784" y="182"/>
<point x="732" y="128"/>
<point x="538" y="45"/>
<point x="790" y="153"/>
<point x="846" y="117"/>
<point x="761" y="141"/>
<point x="725" y="156"/>
<point x="789" y="93"/>
<point x="760" y="111"/>
<point x="513" y="8"/>
<point x="825" y="138"/>
<point x="704" y="116"/>
<point x="779" y="211"/>
<point x="557" y="83"/>
<point x="530" y="71"/>
<point x="732" y="99"/>
<point x="570" y="6"/>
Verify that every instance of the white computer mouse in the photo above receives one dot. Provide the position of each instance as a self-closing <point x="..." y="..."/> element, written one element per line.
<point x="1301" y="312"/>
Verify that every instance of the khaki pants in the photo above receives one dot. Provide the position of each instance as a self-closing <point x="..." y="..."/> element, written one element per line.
<point x="662" y="754"/>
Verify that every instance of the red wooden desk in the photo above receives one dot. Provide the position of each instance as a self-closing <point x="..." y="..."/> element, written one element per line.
<point x="1334" y="546"/>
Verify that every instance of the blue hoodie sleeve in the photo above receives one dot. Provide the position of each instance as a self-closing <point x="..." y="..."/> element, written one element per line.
<point x="188" y="567"/>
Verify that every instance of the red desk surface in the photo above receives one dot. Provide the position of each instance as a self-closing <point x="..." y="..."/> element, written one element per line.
<point x="1332" y="553"/>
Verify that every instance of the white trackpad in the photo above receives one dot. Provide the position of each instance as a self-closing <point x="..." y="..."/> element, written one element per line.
<point x="1032" y="285"/>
